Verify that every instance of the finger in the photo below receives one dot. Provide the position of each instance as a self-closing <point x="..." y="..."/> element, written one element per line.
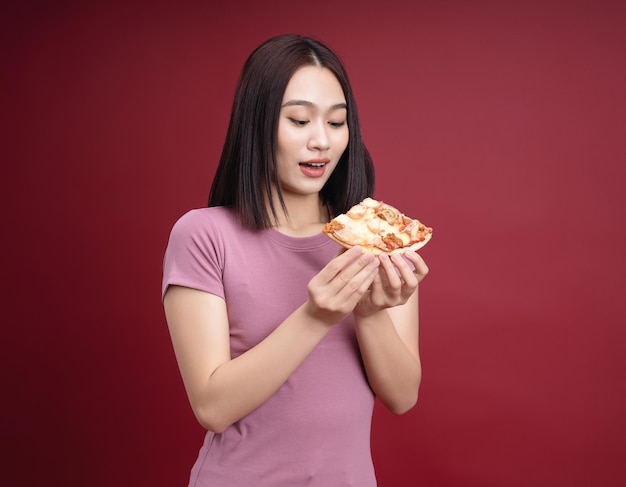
<point x="377" y="294"/>
<point x="351" y="291"/>
<point x="370" y="275"/>
<point x="390" y="279"/>
<point x="405" y="270"/>
<point x="358" y="273"/>
<point x="420" y="268"/>
<point x="338" y="263"/>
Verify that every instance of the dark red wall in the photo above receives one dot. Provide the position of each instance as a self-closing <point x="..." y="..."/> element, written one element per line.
<point x="500" y="124"/>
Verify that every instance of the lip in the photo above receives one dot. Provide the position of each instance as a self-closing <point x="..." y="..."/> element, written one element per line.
<point x="314" y="168"/>
<point x="319" y="160"/>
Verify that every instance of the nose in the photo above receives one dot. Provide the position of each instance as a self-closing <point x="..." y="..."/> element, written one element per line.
<point x="318" y="139"/>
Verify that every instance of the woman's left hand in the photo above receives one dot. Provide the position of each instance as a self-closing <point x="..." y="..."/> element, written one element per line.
<point x="395" y="283"/>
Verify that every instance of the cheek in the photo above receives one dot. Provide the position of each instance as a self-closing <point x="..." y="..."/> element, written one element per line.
<point x="341" y="141"/>
<point x="286" y="140"/>
<point x="280" y="146"/>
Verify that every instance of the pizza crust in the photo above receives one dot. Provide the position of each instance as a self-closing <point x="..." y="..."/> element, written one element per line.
<point x="375" y="250"/>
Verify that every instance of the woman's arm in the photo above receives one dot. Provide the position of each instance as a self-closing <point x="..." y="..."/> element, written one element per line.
<point x="387" y="325"/>
<point x="222" y="390"/>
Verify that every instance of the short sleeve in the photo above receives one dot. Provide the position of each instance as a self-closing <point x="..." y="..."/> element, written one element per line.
<point x="194" y="255"/>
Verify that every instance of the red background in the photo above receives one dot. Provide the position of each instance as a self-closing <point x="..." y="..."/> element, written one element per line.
<point x="500" y="124"/>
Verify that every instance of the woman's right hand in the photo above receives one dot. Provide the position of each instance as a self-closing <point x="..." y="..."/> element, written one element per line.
<point x="340" y="285"/>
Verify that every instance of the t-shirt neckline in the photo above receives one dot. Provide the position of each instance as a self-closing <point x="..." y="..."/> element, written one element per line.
<point x="299" y="243"/>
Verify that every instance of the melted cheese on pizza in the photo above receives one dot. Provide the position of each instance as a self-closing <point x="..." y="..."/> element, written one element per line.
<point x="377" y="225"/>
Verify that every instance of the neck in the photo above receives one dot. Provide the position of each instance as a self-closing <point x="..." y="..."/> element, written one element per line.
<point x="306" y="215"/>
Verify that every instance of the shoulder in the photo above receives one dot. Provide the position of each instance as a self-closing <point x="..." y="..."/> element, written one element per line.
<point x="205" y="227"/>
<point x="194" y="256"/>
<point x="202" y="217"/>
<point x="207" y="220"/>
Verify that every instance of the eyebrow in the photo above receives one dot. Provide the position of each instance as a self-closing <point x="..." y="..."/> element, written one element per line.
<point x="289" y="103"/>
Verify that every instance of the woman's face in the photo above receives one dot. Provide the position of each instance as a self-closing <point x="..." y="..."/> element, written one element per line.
<point x="312" y="130"/>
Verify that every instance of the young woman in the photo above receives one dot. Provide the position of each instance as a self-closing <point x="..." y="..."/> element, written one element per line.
<point x="283" y="340"/>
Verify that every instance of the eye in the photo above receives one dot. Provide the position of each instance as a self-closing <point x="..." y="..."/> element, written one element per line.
<point x="299" y="123"/>
<point x="337" y="124"/>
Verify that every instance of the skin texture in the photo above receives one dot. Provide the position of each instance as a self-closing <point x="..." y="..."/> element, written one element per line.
<point x="312" y="126"/>
<point x="380" y="290"/>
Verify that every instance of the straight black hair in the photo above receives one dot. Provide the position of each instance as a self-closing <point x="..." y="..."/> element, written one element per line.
<point x="247" y="168"/>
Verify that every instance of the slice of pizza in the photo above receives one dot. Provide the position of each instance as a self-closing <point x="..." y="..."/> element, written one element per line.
<point x="378" y="228"/>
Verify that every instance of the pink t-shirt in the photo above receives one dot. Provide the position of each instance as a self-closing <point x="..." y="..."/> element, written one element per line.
<point x="315" y="430"/>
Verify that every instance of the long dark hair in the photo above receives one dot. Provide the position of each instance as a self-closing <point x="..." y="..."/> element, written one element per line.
<point x="247" y="168"/>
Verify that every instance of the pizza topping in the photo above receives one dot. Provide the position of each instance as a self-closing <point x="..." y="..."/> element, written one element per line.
<point x="392" y="241"/>
<point x="357" y="211"/>
<point x="387" y="214"/>
<point x="373" y="226"/>
<point x="334" y="226"/>
<point x="378" y="227"/>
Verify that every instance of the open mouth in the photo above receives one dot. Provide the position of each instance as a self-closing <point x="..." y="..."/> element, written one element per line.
<point x="313" y="168"/>
<point x="313" y="165"/>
